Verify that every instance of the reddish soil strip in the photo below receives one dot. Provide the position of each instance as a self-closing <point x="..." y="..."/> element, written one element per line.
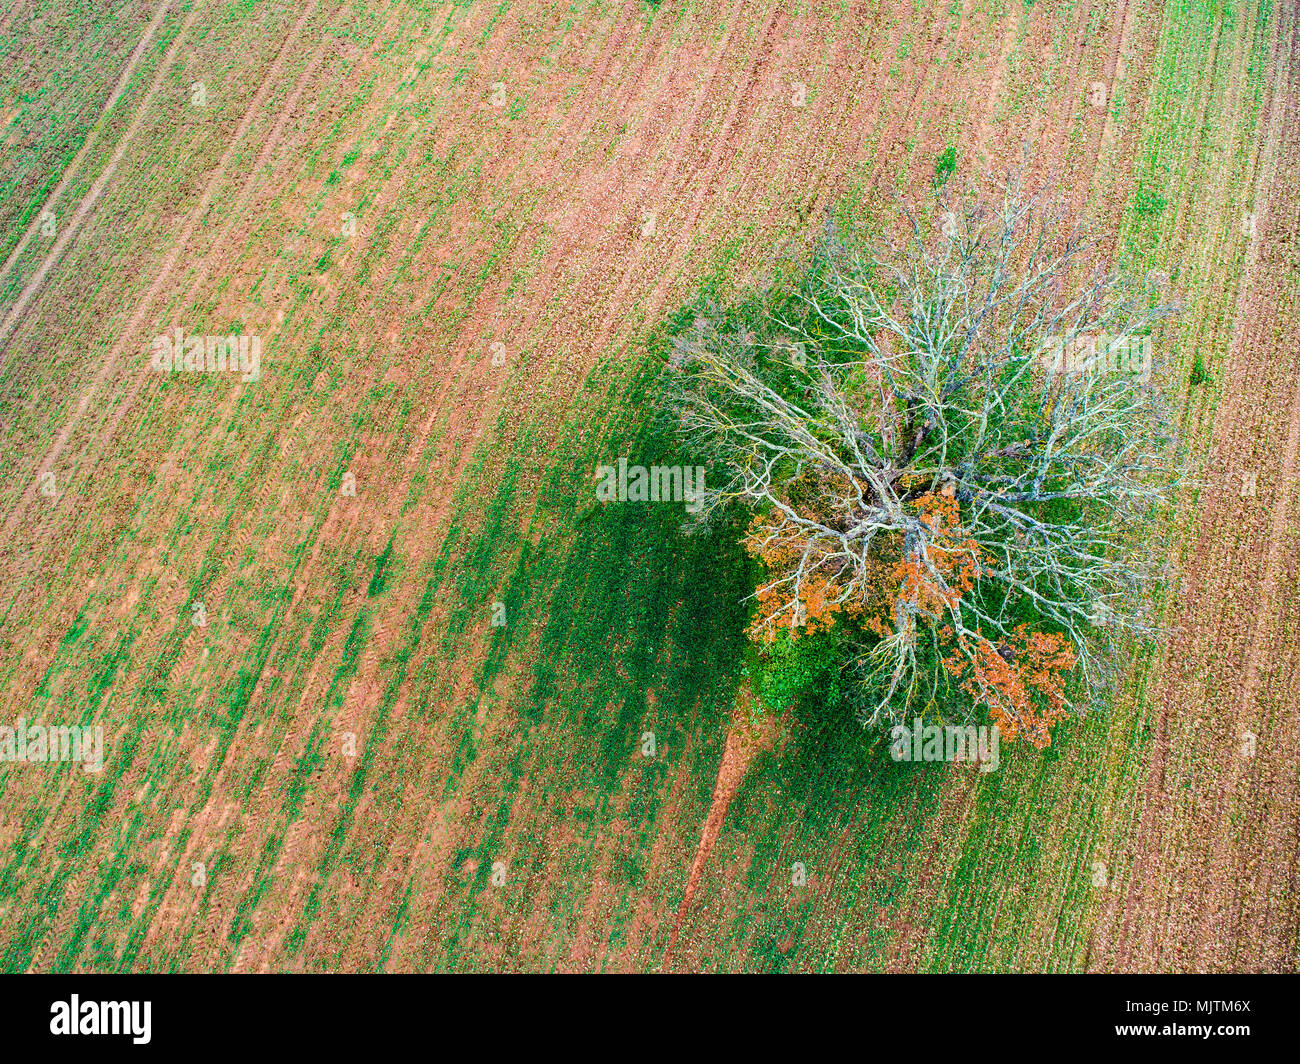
<point x="745" y="740"/>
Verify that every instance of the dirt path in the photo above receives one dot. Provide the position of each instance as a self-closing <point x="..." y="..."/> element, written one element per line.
<point x="747" y="736"/>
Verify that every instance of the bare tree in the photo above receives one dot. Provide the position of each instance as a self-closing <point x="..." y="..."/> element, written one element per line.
<point x="982" y="362"/>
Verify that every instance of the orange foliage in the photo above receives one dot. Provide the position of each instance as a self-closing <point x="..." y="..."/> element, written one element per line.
<point x="953" y="556"/>
<point x="815" y="608"/>
<point x="817" y="495"/>
<point x="1022" y="682"/>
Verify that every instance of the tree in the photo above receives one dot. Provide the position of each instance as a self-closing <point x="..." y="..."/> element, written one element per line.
<point x="953" y="447"/>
